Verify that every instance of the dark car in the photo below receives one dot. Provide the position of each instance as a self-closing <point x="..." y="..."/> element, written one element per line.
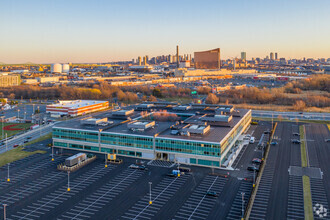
<point x="28" y="137"/>
<point x="142" y="167"/>
<point x="295" y="134"/>
<point x="273" y="143"/>
<point x="295" y="141"/>
<point x="256" y="161"/>
<point x="212" y="194"/>
<point x="26" y="141"/>
<point x="327" y="140"/>
<point x="253" y="168"/>
<point x="267" y="132"/>
<point x="171" y="175"/>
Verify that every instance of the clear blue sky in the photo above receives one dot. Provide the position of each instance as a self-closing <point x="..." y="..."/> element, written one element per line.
<point x="44" y="31"/>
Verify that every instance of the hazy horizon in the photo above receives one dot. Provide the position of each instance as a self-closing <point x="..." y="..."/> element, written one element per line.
<point x="106" y="31"/>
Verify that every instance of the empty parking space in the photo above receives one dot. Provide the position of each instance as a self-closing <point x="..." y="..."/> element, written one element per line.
<point x="199" y="205"/>
<point x="295" y="209"/>
<point x="37" y="209"/>
<point x="28" y="171"/>
<point x="87" y="208"/>
<point x="260" y="205"/>
<point x="32" y="187"/>
<point x="235" y="211"/>
<point x="319" y="199"/>
<point x="160" y="194"/>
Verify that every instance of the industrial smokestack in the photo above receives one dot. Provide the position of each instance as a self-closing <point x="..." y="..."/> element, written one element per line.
<point x="177" y="56"/>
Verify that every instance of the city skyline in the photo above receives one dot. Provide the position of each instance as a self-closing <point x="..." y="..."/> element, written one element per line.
<point x="107" y="31"/>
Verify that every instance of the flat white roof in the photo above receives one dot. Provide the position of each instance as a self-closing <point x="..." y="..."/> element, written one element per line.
<point x="76" y="103"/>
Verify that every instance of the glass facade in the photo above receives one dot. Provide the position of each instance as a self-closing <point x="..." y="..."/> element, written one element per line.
<point x="233" y="133"/>
<point x="127" y="140"/>
<point x="188" y="147"/>
<point x="194" y="149"/>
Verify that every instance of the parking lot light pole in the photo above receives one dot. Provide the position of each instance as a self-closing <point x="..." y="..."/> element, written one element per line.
<point x="242" y="206"/>
<point x="2" y="119"/>
<point x="52" y="153"/>
<point x="69" y="181"/>
<point x="150" y="202"/>
<point x="254" y="176"/>
<point x="4" y="211"/>
<point x="8" y="178"/>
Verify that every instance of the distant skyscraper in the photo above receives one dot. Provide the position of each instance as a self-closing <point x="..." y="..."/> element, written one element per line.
<point x="207" y="59"/>
<point x="147" y="59"/>
<point x="271" y="56"/>
<point x="243" y="55"/>
<point x="177" y="56"/>
<point x="139" y="61"/>
<point x="144" y="60"/>
<point x="276" y="56"/>
<point x="133" y="61"/>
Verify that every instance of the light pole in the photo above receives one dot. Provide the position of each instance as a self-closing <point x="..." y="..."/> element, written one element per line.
<point x="2" y="118"/>
<point x="68" y="181"/>
<point x="18" y="114"/>
<point x="52" y="153"/>
<point x="150" y="202"/>
<point x="4" y="211"/>
<point x="8" y="178"/>
<point x="105" y="161"/>
<point x="100" y="130"/>
<point x="254" y="175"/>
<point x="242" y="205"/>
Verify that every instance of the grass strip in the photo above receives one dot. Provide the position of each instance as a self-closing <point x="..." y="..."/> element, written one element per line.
<point x="302" y="147"/>
<point x="308" y="207"/>
<point x="42" y="138"/>
<point x="16" y="154"/>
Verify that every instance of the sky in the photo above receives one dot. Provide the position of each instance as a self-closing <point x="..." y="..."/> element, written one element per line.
<point x="48" y="31"/>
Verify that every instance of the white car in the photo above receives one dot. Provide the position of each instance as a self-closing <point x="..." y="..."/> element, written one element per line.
<point x="252" y="139"/>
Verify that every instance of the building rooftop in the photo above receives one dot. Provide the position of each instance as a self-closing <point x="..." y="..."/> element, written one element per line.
<point x="162" y="124"/>
<point x="76" y="103"/>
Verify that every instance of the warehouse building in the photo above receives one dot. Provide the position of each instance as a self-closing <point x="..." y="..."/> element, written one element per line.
<point x="195" y="134"/>
<point x="76" y="107"/>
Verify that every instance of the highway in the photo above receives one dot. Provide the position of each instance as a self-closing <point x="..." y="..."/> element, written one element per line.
<point x="292" y="115"/>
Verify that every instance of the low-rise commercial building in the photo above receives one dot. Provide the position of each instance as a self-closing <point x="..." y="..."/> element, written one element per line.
<point x="196" y="134"/>
<point x="75" y="108"/>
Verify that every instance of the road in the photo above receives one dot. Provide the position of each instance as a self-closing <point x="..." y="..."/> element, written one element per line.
<point x="292" y="115"/>
<point x="19" y="139"/>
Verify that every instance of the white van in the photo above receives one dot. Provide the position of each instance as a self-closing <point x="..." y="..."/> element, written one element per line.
<point x="252" y="140"/>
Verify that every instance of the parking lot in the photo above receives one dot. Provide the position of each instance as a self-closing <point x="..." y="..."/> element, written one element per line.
<point x="37" y="190"/>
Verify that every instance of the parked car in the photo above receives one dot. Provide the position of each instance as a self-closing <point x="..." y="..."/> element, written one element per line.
<point x="256" y="161"/>
<point x="295" y="134"/>
<point x="273" y="143"/>
<point x="171" y="175"/>
<point x="267" y="132"/>
<point x="212" y="194"/>
<point x="252" y="139"/>
<point x="26" y="141"/>
<point x="295" y="141"/>
<point x="16" y="145"/>
<point x="327" y="140"/>
<point x="133" y="166"/>
<point x="253" y="168"/>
